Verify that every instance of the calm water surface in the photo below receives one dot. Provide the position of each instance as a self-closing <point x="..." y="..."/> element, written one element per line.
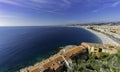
<point x="24" y="46"/>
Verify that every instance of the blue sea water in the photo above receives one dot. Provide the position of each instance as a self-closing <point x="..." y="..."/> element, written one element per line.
<point x="24" y="46"/>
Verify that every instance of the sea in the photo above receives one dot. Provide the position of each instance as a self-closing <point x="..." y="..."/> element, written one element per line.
<point x="26" y="45"/>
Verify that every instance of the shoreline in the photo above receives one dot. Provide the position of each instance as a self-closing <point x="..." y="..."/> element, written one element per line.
<point x="56" y="62"/>
<point x="104" y="38"/>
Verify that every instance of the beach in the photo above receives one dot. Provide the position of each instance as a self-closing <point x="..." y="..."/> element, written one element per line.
<point x="104" y="38"/>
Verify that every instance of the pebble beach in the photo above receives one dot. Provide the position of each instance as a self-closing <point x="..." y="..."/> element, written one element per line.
<point x="104" y="38"/>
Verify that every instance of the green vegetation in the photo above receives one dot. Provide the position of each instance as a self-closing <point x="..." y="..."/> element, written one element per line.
<point x="92" y="28"/>
<point x="105" y="63"/>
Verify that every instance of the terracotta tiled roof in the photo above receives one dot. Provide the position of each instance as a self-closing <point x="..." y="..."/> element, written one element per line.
<point x="57" y="60"/>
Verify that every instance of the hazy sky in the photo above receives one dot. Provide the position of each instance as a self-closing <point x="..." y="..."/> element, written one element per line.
<point x="57" y="12"/>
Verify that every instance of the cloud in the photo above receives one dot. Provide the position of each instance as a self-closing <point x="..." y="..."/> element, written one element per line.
<point x="10" y="2"/>
<point x="54" y="12"/>
<point x="40" y="4"/>
<point x="99" y="9"/>
<point x="39" y="1"/>
<point x="107" y="5"/>
<point x="67" y="1"/>
<point x="115" y="3"/>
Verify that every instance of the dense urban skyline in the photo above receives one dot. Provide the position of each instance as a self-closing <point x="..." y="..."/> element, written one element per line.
<point x="57" y="12"/>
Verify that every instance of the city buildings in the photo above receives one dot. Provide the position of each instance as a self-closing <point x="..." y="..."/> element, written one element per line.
<point x="63" y="59"/>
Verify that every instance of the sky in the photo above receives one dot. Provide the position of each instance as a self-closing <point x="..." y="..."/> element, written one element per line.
<point x="57" y="12"/>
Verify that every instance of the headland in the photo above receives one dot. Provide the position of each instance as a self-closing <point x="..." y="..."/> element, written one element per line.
<point x="65" y="57"/>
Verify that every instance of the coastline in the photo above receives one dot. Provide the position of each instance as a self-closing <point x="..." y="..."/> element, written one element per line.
<point x="64" y="57"/>
<point x="55" y="61"/>
<point x="104" y="38"/>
